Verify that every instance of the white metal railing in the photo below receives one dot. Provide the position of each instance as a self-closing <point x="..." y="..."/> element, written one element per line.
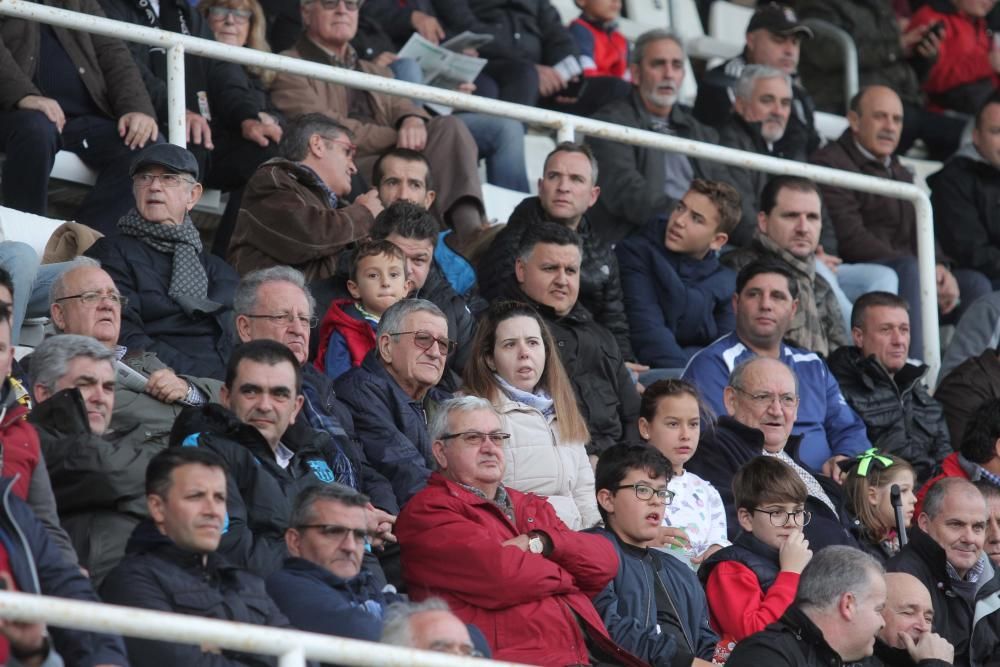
<point x="565" y="125"/>
<point x="292" y="647"/>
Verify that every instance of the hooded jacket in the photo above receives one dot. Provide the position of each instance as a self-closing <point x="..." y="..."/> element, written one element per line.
<point x="965" y="194"/>
<point x="346" y="322"/>
<point x="99" y="482"/>
<point x="971" y="625"/>
<point x="158" y="574"/>
<point x="600" y="282"/>
<point x="675" y="304"/>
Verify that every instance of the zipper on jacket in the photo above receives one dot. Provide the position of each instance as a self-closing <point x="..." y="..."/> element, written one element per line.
<point x="20" y="534"/>
<point x="680" y="620"/>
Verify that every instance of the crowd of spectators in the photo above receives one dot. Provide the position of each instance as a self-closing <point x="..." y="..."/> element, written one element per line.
<point x="670" y="412"/>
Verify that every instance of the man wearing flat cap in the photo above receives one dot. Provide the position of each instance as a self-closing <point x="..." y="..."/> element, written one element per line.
<point x="772" y="39"/>
<point x="179" y="298"/>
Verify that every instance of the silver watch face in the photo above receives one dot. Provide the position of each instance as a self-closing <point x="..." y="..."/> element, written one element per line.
<point x="535" y="545"/>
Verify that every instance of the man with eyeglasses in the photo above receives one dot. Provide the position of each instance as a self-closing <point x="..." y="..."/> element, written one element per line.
<point x="85" y="301"/>
<point x="179" y="298"/>
<point x="173" y="563"/>
<point x="394" y="393"/>
<point x="762" y="400"/>
<point x="430" y="626"/>
<point x="295" y="210"/>
<point x="945" y="553"/>
<point x="500" y="558"/>
<point x="886" y="388"/>
<point x="654" y="606"/>
<point x="322" y="586"/>
<point x="765" y="302"/>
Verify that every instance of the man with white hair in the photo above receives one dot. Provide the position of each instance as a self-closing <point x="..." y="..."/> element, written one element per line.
<point x="429" y="626"/>
<point x="536" y="607"/>
<point x="834" y="620"/>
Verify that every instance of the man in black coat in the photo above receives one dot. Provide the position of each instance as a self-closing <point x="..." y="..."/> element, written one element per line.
<point x="885" y="389"/>
<point x="834" y="620"/>
<point x="172" y="563"/>
<point x="547" y="270"/>
<point x="567" y="189"/>
<point x="639" y="184"/>
<point x="945" y="552"/>
<point x="965" y="193"/>
<point x="907" y="639"/>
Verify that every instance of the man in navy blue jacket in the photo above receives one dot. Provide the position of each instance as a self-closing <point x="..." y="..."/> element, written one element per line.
<point x="654" y="607"/>
<point x="677" y="295"/>
<point x="322" y="586"/>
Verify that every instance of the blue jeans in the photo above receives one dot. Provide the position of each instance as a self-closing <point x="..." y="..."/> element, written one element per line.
<point x="852" y="280"/>
<point x="500" y="140"/>
<point x="31" y="282"/>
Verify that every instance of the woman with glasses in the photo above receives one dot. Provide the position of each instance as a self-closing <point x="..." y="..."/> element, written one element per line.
<point x="514" y="365"/>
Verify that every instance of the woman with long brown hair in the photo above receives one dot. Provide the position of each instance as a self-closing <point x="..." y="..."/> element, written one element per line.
<point x="514" y="364"/>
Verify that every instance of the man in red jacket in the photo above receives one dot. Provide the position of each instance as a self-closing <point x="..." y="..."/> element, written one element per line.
<point x="500" y="558"/>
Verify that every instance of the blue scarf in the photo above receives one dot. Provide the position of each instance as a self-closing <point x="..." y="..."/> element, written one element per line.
<point x="541" y="401"/>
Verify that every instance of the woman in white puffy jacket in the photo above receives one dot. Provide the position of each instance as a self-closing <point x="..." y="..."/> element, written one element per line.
<point x="514" y="365"/>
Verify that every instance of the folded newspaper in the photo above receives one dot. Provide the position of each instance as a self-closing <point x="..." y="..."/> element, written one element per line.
<point x="443" y="67"/>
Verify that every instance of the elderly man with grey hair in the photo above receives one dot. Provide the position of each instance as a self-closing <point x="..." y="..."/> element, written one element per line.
<point x="394" y="391"/>
<point x="834" y="619"/>
<point x="98" y="475"/>
<point x="638" y="183"/>
<point x="945" y="553"/>
<point x="84" y="301"/>
<point x="466" y="523"/>
<point x="431" y="626"/>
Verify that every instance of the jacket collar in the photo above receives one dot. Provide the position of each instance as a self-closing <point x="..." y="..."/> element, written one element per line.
<point x="64" y="412"/>
<point x="796" y="621"/>
<point x="687" y="267"/>
<point x="678" y="118"/>
<point x="752" y="130"/>
<point x="372" y="363"/>
<point x="753" y="438"/>
<point x="872" y="373"/>
<point x="531" y="208"/>
<point x="848" y="144"/>
<point x="355" y="584"/>
<point x="578" y="315"/>
<point x="805" y="267"/>
<point x="147" y="539"/>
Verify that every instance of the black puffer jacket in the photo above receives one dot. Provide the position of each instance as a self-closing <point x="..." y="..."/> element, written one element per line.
<point x="600" y="284"/>
<point x="966" y="614"/>
<point x="900" y="416"/>
<point x="604" y="390"/>
<point x="157" y="574"/>
<point x="99" y="482"/>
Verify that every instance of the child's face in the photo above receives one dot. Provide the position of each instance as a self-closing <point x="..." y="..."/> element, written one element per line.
<point x="881" y="497"/>
<point x="634" y="520"/>
<point x="602" y="10"/>
<point x="675" y="429"/>
<point x="693" y="227"/>
<point x="759" y="522"/>
<point x="380" y="282"/>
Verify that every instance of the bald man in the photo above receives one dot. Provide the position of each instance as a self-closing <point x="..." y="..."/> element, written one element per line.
<point x="907" y="638"/>
<point x="945" y="553"/>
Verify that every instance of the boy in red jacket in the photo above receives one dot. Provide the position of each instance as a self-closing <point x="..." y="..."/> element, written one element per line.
<point x="750" y="583"/>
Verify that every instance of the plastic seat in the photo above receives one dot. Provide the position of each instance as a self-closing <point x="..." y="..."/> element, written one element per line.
<point x="728" y="22"/>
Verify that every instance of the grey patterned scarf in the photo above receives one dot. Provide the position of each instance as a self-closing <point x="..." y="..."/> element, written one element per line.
<point x="188" y="280"/>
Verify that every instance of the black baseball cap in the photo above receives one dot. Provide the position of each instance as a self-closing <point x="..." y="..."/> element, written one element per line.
<point x="173" y="158"/>
<point x="778" y="19"/>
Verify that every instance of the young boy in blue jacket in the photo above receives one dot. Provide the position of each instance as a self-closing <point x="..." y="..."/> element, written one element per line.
<point x="678" y="297"/>
<point x="654" y="607"/>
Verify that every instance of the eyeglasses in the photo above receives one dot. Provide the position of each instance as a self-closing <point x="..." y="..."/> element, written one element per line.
<point x="288" y="319"/>
<point x="645" y="492"/>
<point x="90" y="298"/>
<point x="779" y="518"/>
<point x="349" y="5"/>
<point x="166" y="180"/>
<point x="454" y="648"/>
<point x="424" y="340"/>
<point x="349" y="147"/>
<point x="241" y="16"/>
<point x="477" y="438"/>
<point x="762" y="400"/>
<point x="337" y="533"/>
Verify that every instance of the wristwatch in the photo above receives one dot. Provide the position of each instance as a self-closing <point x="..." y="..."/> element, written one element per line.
<point x="535" y="544"/>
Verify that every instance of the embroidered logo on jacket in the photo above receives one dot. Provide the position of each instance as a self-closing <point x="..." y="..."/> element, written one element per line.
<point x="321" y="470"/>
